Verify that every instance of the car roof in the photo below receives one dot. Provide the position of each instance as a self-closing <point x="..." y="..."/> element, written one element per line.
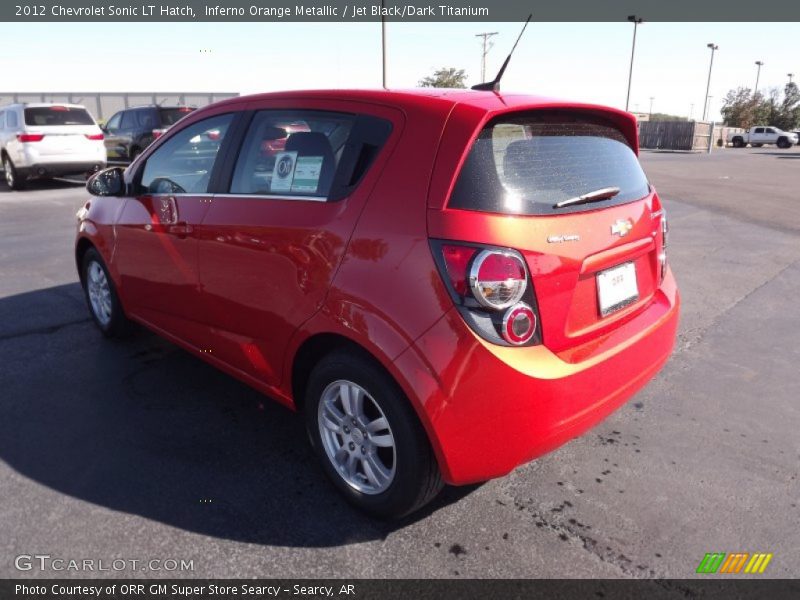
<point x="401" y="97"/>
<point x="45" y="105"/>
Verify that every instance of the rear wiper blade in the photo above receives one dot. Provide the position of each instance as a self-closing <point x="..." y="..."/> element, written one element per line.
<point x="595" y="196"/>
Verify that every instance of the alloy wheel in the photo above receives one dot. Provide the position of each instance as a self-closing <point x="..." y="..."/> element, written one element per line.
<point x="99" y="293"/>
<point x="357" y="437"/>
<point x="9" y="171"/>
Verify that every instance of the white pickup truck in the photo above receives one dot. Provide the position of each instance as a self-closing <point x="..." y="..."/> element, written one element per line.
<point x="760" y="135"/>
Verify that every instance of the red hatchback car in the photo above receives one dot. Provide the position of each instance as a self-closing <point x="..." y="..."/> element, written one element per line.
<point x="447" y="283"/>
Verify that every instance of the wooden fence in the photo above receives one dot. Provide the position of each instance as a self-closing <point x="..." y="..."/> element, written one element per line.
<point x="682" y="135"/>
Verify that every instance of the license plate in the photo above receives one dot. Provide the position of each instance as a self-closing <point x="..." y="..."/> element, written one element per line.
<point x="617" y="288"/>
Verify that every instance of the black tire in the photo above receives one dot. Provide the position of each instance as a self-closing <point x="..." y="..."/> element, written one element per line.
<point x="117" y="324"/>
<point x="784" y="143"/>
<point x="416" y="478"/>
<point x="738" y="142"/>
<point x="14" y="179"/>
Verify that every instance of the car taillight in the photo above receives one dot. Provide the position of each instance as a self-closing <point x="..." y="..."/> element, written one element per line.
<point x="30" y="137"/>
<point x="519" y="324"/>
<point x="94" y="136"/>
<point x="498" y="278"/>
<point x="492" y="290"/>
<point x="157" y="133"/>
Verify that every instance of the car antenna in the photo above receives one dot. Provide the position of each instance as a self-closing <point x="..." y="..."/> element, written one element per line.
<point x="494" y="86"/>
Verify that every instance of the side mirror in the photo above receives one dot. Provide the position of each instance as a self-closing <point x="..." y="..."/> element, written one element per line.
<point x="108" y="182"/>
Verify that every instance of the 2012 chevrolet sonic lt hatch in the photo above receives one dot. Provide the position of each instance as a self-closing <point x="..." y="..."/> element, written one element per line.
<point x="446" y="283"/>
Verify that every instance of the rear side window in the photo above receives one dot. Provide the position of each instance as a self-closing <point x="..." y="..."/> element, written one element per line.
<point x="57" y="115"/>
<point x="129" y="120"/>
<point x="525" y="165"/>
<point x="170" y="116"/>
<point x="292" y="153"/>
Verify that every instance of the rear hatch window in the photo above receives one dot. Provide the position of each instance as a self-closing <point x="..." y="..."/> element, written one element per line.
<point x="47" y="116"/>
<point x="170" y="116"/>
<point x="524" y="165"/>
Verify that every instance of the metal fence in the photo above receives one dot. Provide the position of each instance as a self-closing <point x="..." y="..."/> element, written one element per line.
<point x="103" y="105"/>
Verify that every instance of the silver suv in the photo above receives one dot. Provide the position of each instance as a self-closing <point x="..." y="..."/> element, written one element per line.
<point x="48" y="140"/>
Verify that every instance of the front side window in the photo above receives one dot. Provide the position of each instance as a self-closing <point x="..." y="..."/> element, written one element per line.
<point x="291" y="153"/>
<point x="183" y="164"/>
<point x="45" y="116"/>
<point x="759" y="130"/>
<point x="526" y="165"/>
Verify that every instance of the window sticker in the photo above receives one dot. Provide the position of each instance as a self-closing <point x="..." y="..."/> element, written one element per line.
<point x="306" y="174"/>
<point x="283" y="172"/>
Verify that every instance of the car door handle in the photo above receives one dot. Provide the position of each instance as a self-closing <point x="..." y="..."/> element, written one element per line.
<point x="181" y="229"/>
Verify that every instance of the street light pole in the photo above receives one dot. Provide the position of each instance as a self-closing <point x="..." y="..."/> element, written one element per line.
<point x="759" y="63"/>
<point x="713" y="47"/>
<point x="487" y="45"/>
<point x="708" y="103"/>
<point x="651" y="106"/>
<point x="790" y="77"/>
<point x="636" y="22"/>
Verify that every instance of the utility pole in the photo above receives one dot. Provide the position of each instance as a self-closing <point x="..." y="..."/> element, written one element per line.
<point x="713" y="47"/>
<point x="487" y="45"/>
<point x="651" y="106"/>
<point x="759" y="63"/>
<point x="790" y="77"/>
<point x="636" y="22"/>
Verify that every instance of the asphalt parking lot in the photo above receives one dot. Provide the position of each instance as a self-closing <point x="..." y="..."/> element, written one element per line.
<point x="136" y="450"/>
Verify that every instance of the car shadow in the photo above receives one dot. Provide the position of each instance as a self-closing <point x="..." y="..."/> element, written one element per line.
<point x="142" y="427"/>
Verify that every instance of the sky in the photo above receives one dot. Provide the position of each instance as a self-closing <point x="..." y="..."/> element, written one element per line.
<point x="580" y="61"/>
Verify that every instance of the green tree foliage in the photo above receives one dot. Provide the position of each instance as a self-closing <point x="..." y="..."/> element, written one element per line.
<point x="446" y="77"/>
<point x="657" y="116"/>
<point x="741" y="108"/>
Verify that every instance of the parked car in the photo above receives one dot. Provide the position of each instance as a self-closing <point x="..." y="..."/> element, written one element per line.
<point x="130" y="131"/>
<point x="48" y="140"/>
<point x="758" y="136"/>
<point x="447" y="284"/>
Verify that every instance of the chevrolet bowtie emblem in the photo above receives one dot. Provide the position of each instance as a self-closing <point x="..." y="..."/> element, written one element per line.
<point x="621" y="228"/>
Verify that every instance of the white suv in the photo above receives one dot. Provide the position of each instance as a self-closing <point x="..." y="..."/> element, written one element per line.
<point x="48" y="140"/>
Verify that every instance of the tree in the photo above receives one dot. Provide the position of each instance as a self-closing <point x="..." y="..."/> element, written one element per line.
<point x="446" y="77"/>
<point x="741" y="108"/>
<point x="657" y="116"/>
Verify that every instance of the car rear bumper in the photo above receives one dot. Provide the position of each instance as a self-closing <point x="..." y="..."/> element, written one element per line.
<point x="489" y="409"/>
<point x="56" y="169"/>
